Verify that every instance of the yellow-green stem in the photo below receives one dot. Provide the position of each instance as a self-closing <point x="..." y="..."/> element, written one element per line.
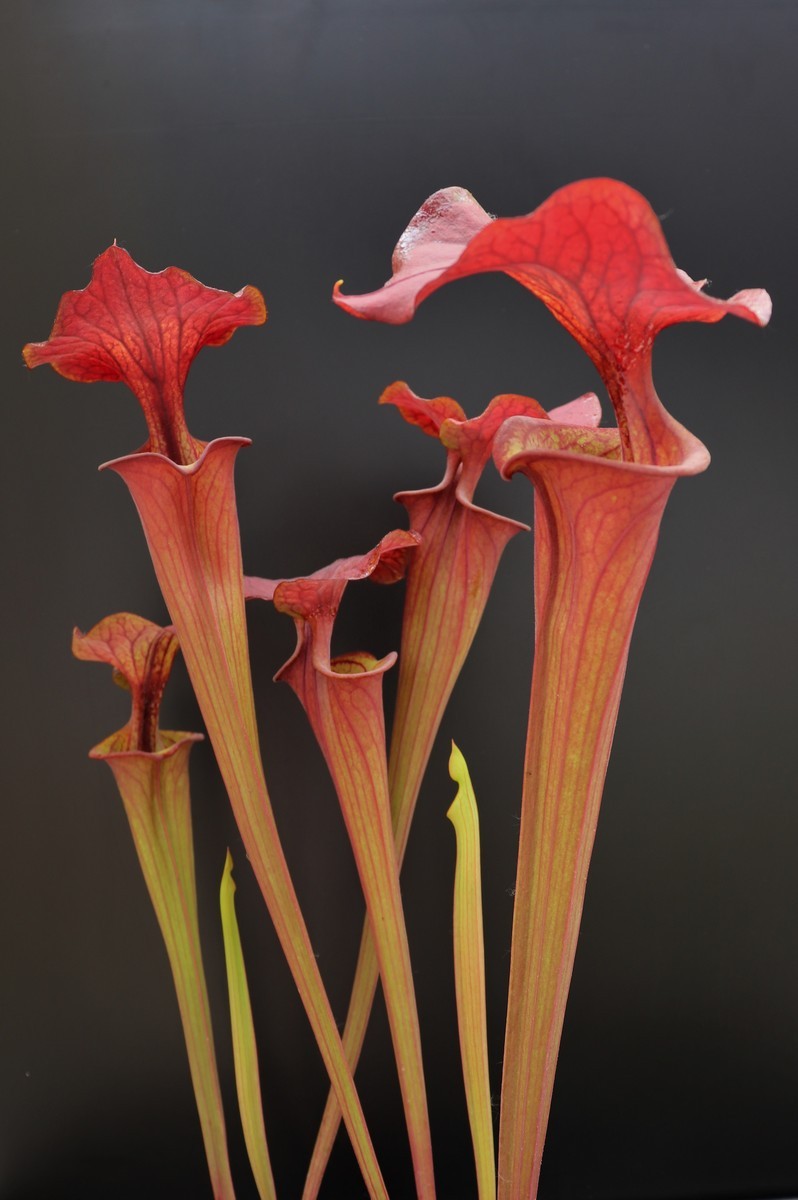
<point x="245" y="1051"/>
<point x="469" y="974"/>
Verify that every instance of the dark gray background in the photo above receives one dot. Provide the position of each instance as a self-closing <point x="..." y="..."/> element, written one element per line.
<point x="286" y="143"/>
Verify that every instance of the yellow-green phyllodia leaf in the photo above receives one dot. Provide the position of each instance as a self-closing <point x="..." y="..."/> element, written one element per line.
<point x="469" y="974"/>
<point x="245" y="1051"/>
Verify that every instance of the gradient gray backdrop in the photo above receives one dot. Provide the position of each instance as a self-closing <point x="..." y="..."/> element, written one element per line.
<point x="286" y="143"/>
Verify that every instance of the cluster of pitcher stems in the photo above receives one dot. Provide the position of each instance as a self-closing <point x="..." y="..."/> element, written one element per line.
<point x="595" y="255"/>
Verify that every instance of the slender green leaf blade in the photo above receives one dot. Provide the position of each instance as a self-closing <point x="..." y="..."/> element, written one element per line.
<point x="469" y="974"/>
<point x="245" y="1050"/>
